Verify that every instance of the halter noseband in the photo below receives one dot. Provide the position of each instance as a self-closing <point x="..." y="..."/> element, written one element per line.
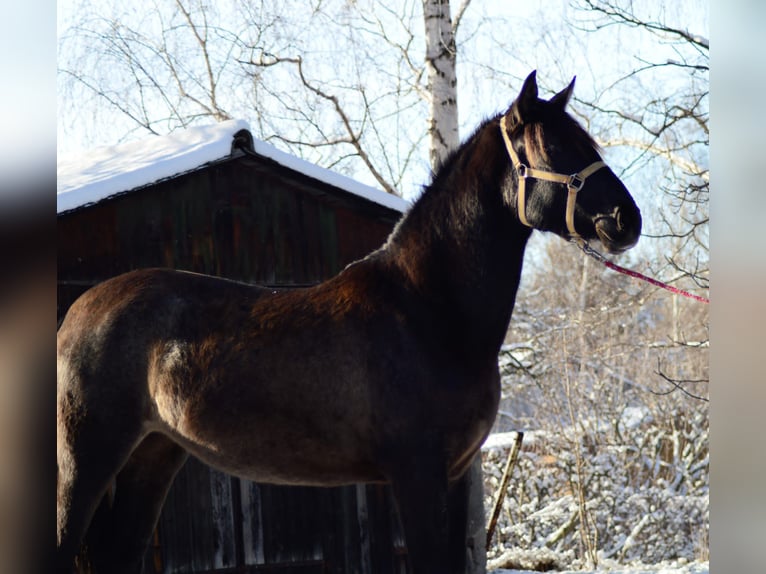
<point x="573" y="182"/>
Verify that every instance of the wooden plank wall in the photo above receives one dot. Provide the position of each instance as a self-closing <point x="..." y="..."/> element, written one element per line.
<point x="214" y="522"/>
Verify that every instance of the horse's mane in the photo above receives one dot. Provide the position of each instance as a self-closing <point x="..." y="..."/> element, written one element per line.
<point x="470" y="157"/>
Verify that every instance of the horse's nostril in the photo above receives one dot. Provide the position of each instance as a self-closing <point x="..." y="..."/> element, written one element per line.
<point x="616" y="230"/>
<point x="618" y="219"/>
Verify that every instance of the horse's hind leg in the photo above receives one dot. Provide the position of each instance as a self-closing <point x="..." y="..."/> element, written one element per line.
<point x="89" y="455"/>
<point x="140" y="491"/>
<point x="98" y="428"/>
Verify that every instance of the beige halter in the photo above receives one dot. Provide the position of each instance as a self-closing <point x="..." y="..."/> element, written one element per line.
<point x="573" y="182"/>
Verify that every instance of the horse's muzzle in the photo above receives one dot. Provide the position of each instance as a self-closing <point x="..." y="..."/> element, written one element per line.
<point x="620" y="230"/>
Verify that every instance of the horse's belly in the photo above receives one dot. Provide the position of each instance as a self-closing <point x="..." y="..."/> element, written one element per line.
<point x="285" y="466"/>
<point x="293" y="456"/>
<point x="308" y="475"/>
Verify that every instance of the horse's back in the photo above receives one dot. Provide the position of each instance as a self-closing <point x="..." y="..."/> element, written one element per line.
<point x="144" y="302"/>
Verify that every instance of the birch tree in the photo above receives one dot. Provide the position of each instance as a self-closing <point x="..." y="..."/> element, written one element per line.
<point x="440" y="63"/>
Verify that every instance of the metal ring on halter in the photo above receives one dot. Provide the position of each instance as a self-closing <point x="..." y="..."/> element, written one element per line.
<point x="576" y="182"/>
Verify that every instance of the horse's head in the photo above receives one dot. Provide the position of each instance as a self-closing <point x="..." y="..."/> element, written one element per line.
<point x="560" y="183"/>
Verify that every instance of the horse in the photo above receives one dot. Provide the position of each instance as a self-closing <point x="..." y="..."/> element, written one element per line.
<point x="385" y="373"/>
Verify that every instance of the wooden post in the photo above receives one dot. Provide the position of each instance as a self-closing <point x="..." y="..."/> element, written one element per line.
<point x="512" y="456"/>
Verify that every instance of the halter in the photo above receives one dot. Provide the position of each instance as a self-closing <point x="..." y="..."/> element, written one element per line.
<point x="573" y="182"/>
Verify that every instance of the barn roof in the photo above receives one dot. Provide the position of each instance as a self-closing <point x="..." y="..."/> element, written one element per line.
<point x="89" y="177"/>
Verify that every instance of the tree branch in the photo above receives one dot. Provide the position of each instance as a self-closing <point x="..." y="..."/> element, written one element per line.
<point x="354" y="137"/>
<point x="677" y="385"/>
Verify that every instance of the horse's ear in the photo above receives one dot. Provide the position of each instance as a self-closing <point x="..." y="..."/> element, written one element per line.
<point x="562" y="98"/>
<point x="525" y="102"/>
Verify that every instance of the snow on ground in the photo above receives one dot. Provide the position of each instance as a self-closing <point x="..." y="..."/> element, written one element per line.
<point x="696" y="568"/>
<point x="645" y="518"/>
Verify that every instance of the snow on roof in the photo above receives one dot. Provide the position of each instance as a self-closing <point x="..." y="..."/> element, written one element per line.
<point x="330" y="177"/>
<point x="89" y="177"/>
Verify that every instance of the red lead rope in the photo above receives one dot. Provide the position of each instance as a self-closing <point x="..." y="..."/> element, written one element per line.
<point x="599" y="257"/>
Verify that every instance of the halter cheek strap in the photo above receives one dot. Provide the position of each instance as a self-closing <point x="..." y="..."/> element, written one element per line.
<point x="573" y="182"/>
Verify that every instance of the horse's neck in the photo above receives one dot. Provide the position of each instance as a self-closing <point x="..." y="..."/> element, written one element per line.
<point x="462" y="248"/>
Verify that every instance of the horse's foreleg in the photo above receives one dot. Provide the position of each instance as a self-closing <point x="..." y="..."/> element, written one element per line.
<point x="458" y="524"/>
<point x="140" y="491"/>
<point x="420" y="489"/>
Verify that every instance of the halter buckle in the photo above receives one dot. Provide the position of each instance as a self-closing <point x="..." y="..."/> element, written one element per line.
<point x="521" y="170"/>
<point x="576" y="181"/>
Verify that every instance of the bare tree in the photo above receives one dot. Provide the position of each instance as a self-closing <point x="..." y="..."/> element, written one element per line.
<point x="166" y="72"/>
<point x="616" y="392"/>
<point x="662" y="115"/>
<point x="362" y="107"/>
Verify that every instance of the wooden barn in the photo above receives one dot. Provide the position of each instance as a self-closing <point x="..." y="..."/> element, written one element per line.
<point x="214" y="200"/>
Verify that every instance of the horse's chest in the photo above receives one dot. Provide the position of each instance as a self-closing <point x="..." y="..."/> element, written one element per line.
<point x="465" y="414"/>
<point x="477" y="408"/>
<point x="466" y="428"/>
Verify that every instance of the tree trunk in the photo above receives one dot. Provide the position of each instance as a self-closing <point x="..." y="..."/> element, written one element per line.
<point x="442" y="80"/>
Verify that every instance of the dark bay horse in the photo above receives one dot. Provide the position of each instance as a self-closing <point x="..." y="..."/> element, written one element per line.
<point x="385" y="373"/>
